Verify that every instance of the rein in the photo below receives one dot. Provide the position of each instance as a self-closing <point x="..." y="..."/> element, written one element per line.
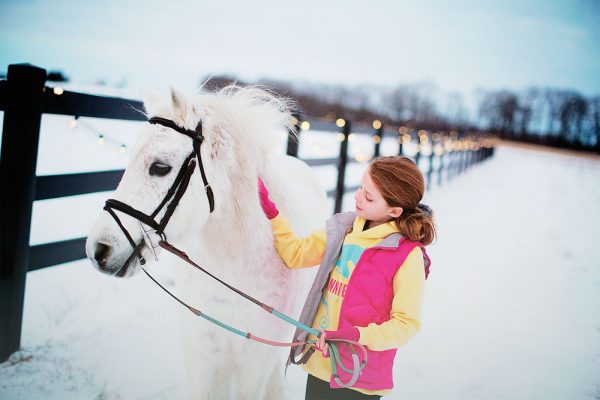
<point x="335" y="358"/>
<point x="171" y="201"/>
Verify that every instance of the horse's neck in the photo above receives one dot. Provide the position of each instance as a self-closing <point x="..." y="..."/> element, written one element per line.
<point x="232" y="237"/>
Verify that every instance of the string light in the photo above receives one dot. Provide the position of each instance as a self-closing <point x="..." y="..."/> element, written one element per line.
<point x="362" y="158"/>
<point x="73" y="123"/>
<point x="101" y="139"/>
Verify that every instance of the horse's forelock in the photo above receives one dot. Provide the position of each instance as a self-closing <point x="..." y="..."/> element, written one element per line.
<point x="255" y="114"/>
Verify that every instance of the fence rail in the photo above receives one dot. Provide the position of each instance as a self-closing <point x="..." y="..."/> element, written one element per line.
<point x="24" y="97"/>
<point x="54" y="186"/>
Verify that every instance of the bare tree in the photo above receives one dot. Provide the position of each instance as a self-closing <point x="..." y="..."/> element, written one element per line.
<point x="594" y="125"/>
<point x="554" y="99"/>
<point x="499" y="109"/>
<point x="529" y="110"/>
<point x="396" y="103"/>
<point x="455" y="110"/>
<point x="573" y="111"/>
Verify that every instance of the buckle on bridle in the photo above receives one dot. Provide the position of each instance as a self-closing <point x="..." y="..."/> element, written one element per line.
<point x="150" y="245"/>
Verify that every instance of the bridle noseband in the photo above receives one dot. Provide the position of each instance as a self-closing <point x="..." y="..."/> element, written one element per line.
<point x="175" y="192"/>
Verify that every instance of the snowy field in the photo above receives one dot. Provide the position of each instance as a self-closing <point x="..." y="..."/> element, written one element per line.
<point x="512" y="305"/>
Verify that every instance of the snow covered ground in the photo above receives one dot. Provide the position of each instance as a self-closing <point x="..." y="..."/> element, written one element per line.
<point x="512" y="306"/>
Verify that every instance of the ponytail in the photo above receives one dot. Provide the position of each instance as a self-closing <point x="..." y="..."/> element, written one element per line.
<point x="417" y="224"/>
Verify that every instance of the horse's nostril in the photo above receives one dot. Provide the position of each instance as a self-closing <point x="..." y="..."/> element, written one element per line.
<point x="101" y="254"/>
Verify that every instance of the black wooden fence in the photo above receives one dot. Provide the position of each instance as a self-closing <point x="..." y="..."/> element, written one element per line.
<point x="24" y="97"/>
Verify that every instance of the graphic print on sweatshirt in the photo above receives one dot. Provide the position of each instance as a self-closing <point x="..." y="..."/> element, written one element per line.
<point x="338" y="281"/>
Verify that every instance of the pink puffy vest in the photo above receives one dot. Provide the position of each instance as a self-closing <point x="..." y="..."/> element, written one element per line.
<point x="369" y="299"/>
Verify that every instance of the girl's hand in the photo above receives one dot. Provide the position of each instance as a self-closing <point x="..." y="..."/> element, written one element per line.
<point x="321" y="345"/>
<point x="351" y="333"/>
<point x="269" y="208"/>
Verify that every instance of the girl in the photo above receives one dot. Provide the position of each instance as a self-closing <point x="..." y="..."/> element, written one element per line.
<point x="369" y="286"/>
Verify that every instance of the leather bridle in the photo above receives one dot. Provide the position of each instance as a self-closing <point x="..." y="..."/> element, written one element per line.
<point x="175" y="192"/>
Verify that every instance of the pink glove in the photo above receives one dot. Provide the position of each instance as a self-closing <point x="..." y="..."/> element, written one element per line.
<point x="351" y="333"/>
<point x="269" y="208"/>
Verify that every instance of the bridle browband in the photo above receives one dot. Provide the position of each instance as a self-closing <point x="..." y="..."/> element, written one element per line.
<point x="175" y="192"/>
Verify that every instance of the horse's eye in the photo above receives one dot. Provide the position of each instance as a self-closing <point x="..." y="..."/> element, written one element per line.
<point x="159" y="169"/>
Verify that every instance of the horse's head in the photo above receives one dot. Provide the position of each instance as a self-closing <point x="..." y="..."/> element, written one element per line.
<point x="195" y="161"/>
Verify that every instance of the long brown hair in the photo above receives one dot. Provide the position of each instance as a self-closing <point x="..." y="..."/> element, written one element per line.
<point x="401" y="184"/>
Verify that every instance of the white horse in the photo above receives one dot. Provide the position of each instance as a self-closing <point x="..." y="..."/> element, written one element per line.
<point x="235" y="242"/>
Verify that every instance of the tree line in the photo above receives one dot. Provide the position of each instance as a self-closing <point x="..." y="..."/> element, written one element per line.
<point x="554" y="117"/>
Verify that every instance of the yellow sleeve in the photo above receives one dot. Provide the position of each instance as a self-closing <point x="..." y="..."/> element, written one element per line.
<point x="404" y="322"/>
<point x="297" y="252"/>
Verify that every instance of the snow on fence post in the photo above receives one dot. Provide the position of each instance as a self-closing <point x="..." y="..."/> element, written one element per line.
<point x="377" y="137"/>
<point x="342" y="162"/>
<point x="20" y="137"/>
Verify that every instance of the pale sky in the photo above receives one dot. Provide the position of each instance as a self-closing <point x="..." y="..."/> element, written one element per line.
<point x="459" y="46"/>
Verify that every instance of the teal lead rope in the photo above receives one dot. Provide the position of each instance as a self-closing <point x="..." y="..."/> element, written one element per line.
<point x="335" y="358"/>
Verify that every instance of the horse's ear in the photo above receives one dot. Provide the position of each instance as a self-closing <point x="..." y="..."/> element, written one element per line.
<point x="180" y="104"/>
<point x="176" y="98"/>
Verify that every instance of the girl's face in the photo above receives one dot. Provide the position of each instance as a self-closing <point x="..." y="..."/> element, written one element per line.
<point x="371" y="205"/>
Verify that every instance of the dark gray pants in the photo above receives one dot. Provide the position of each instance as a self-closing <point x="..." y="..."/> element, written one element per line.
<point x="317" y="389"/>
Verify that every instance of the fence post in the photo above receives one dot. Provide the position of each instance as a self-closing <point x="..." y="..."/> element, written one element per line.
<point x="440" y="169"/>
<point x="342" y="161"/>
<point x="418" y="154"/>
<point x="377" y="137"/>
<point x="400" y="140"/>
<point x="294" y="136"/>
<point x="431" y="155"/>
<point x="20" y="136"/>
